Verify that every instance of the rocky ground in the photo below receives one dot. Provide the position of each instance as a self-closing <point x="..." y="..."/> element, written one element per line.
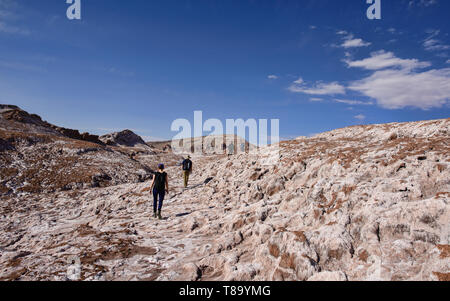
<point x="361" y="203"/>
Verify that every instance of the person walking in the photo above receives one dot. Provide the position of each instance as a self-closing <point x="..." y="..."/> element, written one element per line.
<point x="187" y="169"/>
<point x="159" y="187"/>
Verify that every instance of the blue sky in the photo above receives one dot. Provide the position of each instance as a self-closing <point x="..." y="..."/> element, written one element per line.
<point x="316" y="65"/>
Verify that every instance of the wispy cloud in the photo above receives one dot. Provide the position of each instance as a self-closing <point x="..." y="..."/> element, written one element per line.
<point x="115" y="71"/>
<point x="319" y="88"/>
<point x="351" y="42"/>
<point x="8" y="12"/>
<point x="382" y="60"/>
<point x="272" y="76"/>
<point x="354" y="102"/>
<point x="395" y="31"/>
<point x="6" y="6"/>
<point x="431" y="43"/>
<point x="11" y="29"/>
<point x="435" y="45"/>
<point x="422" y="3"/>
<point x="112" y="71"/>
<point x="299" y="81"/>
<point x="394" y="83"/>
<point x="21" y="66"/>
<point x="5" y="14"/>
<point x="360" y="117"/>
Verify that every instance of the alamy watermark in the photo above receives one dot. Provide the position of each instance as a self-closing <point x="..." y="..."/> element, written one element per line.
<point x="374" y="10"/>
<point x="74" y="10"/>
<point x="231" y="139"/>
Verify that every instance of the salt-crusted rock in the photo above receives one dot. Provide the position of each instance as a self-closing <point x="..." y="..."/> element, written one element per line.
<point x="328" y="276"/>
<point x="191" y="272"/>
<point x="353" y="204"/>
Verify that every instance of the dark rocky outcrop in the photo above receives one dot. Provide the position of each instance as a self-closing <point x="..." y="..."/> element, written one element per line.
<point x="75" y="134"/>
<point x="124" y="138"/>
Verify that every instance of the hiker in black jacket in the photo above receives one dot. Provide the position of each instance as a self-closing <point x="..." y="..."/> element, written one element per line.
<point x="159" y="187"/>
<point x="187" y="169"/>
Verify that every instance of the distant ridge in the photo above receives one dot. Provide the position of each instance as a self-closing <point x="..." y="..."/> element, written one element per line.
<point x="12" y="117"/>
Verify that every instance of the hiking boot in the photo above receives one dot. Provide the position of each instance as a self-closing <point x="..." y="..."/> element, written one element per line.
<point x="159" y="215"/>
<point x="155" y="215"/>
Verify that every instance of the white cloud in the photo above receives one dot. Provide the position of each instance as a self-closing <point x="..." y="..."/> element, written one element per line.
<point x="396" y="83"/>
<point x="397" y="89"/>
<point x="299" y="81"/>
<point x="272" y="76"/>
<point x="318" y="89"/>
<point x="315" y="99"/>
<point x="433" y="44"/>
<point x="381" y="60"/>
<point x="448" y="61"/>
<point x="351" y="43"/>
<point x="432" y="33"/>
<point x="360" y="117"/>
<point x="354" y="102"/>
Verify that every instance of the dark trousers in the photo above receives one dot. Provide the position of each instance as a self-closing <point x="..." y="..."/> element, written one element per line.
<point x="161" y="195"/>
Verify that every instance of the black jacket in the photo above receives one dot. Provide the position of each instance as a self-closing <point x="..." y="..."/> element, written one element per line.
<point x="187" y="165"/>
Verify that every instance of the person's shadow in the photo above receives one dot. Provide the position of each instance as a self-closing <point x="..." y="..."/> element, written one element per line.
<point x="182" y="214"/>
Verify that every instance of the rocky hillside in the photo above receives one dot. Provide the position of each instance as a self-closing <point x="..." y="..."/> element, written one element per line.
<point x="12" y="118"/>
<point x="36" y="156"/>
<point x="361" y="203"/>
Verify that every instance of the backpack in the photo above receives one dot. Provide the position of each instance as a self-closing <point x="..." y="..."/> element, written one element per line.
<point x="187" y="164"/>
<point x="160" y="181"/>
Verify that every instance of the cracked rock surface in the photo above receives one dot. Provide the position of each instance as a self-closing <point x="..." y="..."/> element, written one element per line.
<point x="360" y="203"/>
